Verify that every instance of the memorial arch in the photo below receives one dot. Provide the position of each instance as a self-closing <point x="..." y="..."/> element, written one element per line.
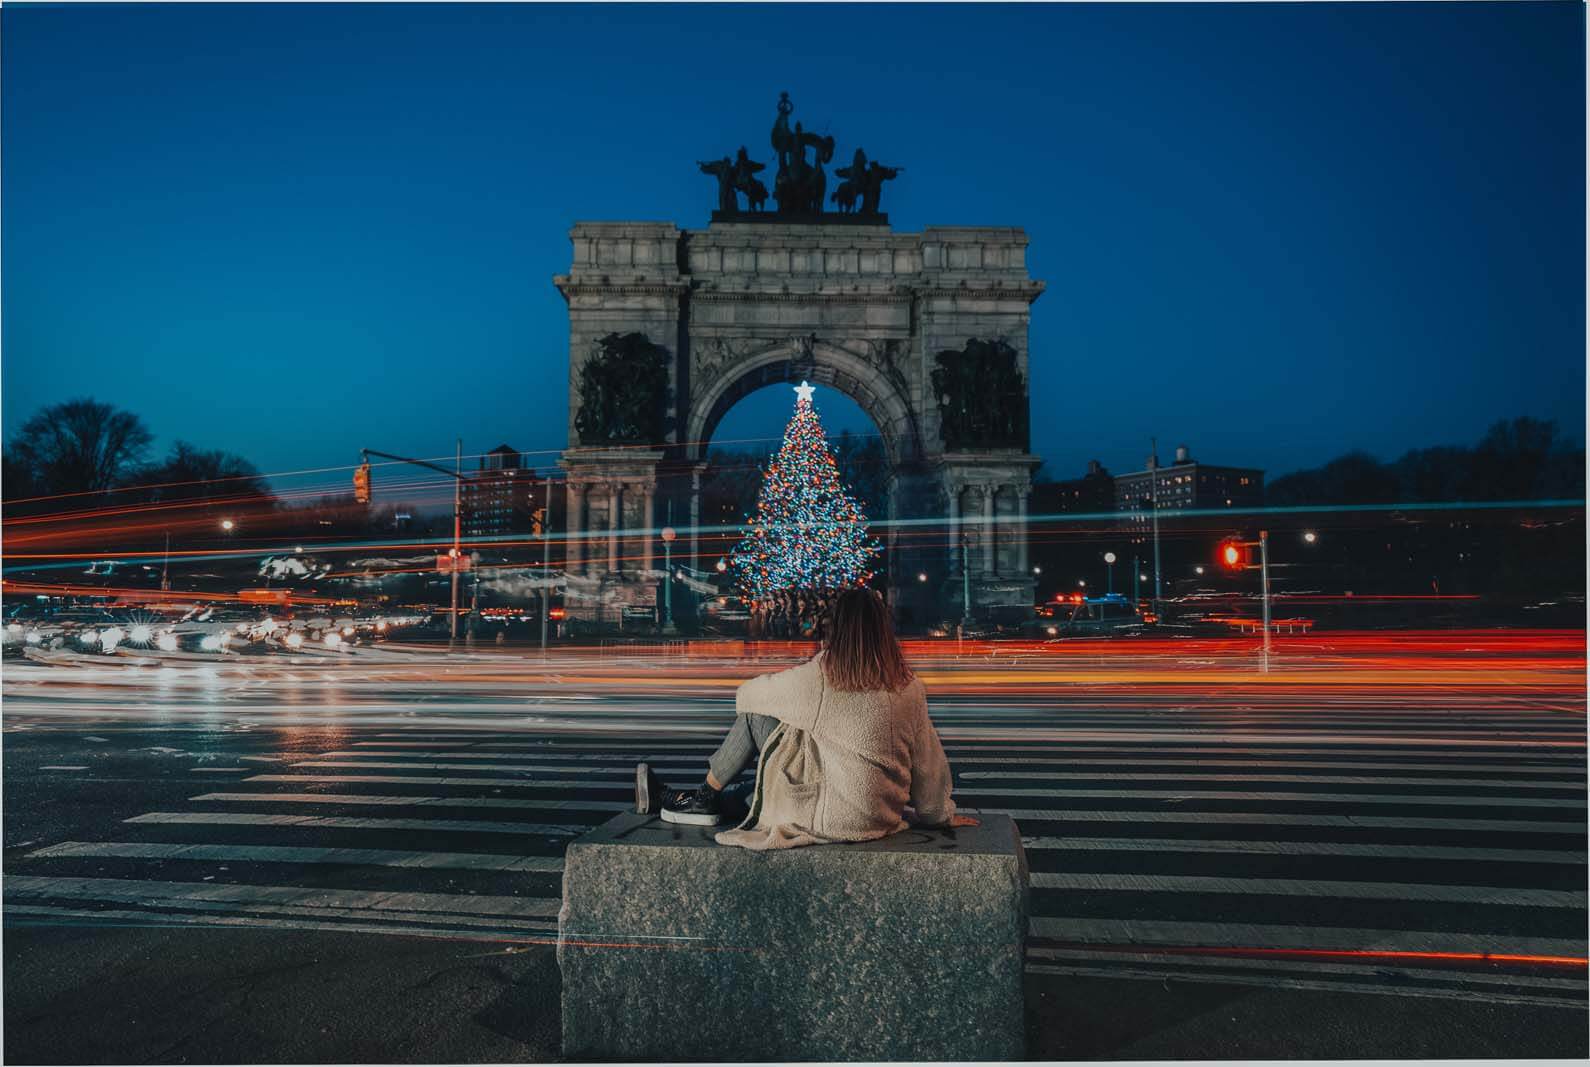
<point x="927" y="332"/>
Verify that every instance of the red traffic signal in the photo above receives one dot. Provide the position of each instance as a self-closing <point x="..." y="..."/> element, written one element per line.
<point x="361" y="484"/>
<point x="1233" y="555"/>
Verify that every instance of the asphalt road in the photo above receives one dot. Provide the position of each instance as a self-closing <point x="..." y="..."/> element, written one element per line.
<point x="1375" y="849"/>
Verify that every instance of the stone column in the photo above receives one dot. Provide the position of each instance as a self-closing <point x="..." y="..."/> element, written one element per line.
<point x="615" y="518"/>
<point x="1022" y="560"/>
<point x="574" y="527"/>
<point x="989" y="564"/>
<point x="648" y="520"/>
<point x="953" y="492"/>
<point x="695" y="516"/>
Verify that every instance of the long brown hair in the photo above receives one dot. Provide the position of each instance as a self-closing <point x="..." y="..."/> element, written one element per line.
<point x="860" y="650"/>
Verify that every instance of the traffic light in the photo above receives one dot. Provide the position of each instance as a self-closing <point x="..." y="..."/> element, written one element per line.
<point x="361" y="484"/>
<point x="538" y="519"/>
<point x="1233" y="555"/>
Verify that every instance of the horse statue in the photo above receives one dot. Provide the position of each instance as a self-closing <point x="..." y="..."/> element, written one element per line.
<point x="799" y="184"/>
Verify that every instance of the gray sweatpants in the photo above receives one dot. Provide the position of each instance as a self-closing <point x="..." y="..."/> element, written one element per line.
<point x="739" y="750"/>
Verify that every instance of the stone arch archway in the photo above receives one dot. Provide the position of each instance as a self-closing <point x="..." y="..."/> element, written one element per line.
<point x="828" y="364"/>
<point x="853" y="307"/>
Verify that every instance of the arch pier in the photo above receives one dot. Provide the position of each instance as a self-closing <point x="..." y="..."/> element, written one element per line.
<point x="927" y="332"/>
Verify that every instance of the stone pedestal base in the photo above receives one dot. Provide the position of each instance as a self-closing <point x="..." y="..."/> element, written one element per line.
<point x="910" y="948"/>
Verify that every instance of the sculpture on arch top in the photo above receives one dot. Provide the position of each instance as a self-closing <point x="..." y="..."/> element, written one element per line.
<point x="800" y="182"/>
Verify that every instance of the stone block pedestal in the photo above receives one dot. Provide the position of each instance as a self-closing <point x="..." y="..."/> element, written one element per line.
<point x="673" y="947"/>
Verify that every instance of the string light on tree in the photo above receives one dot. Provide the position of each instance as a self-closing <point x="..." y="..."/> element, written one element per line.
<point x="808" y="531"/>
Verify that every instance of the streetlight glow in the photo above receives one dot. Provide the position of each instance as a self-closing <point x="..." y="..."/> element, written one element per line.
<point x="167" y="642"/>
<point x="1310" y="536"/>
<point x="227" y="524"/>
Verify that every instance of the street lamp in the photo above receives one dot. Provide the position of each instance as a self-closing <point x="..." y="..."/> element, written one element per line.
<point x="668" y="534"/>
<point x="1109" y="572"/>
<point x="1310" y="536"/>
<point x="227" y="524"/>
<point x="723" y="565"/>
<point x="921" y="576"/>
<point x="1037" y="570"/>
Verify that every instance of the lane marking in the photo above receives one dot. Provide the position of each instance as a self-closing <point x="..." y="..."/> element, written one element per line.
<point x="1305" y="848"/>
<point x="1289" y="887"/>
<point x="364" y="857"/>
<point x="324" y="822"/>
<point x="64" y="767"/>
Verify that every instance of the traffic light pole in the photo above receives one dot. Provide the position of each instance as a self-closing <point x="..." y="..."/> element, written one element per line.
<point x="458" y="499"/>
<point x="458" y="484"/>
<point x="546" y="564"/>
<point x="1264" y="574"/>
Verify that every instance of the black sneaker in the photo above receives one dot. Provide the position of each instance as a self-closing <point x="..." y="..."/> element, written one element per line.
<point x="650" y="790"/>
<point x="695" y="807"/>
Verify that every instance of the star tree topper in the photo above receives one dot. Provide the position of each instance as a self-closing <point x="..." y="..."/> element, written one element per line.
<point x="804" y="391"/>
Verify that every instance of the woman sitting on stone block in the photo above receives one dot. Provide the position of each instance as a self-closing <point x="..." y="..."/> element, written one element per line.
<point x="844" y="747"/>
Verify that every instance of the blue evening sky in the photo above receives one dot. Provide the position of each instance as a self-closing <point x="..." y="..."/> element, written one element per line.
<point x="1272" y="232"/>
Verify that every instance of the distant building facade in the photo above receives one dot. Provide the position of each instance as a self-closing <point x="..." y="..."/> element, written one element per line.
<point x="1091" y="494"/>
<point x="1184" y="485"/>
<point x="499" y="500"/>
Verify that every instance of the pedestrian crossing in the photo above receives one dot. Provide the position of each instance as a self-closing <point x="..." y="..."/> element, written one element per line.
<point x="1400" y="856"/>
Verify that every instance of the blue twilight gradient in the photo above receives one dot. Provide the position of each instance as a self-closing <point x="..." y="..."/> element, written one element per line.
<point x="1270" y="232"/>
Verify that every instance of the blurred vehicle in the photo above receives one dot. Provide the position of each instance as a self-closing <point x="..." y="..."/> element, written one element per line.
<point x="1080" y="616"/>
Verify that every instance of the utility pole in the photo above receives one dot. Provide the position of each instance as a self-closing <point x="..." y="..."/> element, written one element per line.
<point x="165" y="566"/>
<point x="1153" y="483"/>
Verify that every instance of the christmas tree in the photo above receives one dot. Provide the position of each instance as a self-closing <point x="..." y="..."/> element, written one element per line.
<point x="808" y="531"/>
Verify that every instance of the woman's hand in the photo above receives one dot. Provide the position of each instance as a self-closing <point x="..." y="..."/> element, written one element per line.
<point x="961" y="820"/>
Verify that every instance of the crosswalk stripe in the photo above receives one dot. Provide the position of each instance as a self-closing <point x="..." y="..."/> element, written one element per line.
<point x="1271" y="981"/>
<point x="1328" y="779"/>
<point x="1288" y="796"/>
<point x="1149" y="933"/>
<point x="1190" y="962"/>
<point x="325" y="822"/>
<point x="519" y="932"/>
<point x="1305" y="848"/>
<point x="1267" y="818"/>
<point x="496" y="782"/>
<point x="418" y="801"/>
<point x="368" y="857"/>
<point x="1567" y="772"/>
<point x="149" y="892"/>
<point x="1288" y="887"/>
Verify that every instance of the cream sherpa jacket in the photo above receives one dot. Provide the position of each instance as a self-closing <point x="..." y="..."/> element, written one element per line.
<point x="841" y="766"/>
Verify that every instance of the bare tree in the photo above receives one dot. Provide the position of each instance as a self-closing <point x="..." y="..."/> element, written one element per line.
<point x="208" y="476"/>
<point x="81" y="446"/>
